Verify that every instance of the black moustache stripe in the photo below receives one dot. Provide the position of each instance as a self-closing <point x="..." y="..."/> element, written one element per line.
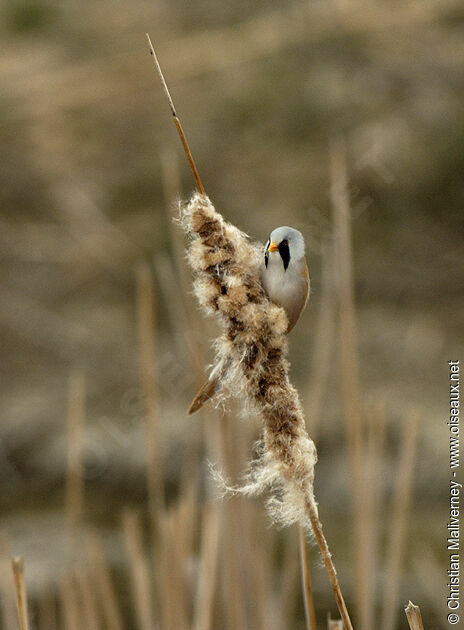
<point x="284" y="252"/>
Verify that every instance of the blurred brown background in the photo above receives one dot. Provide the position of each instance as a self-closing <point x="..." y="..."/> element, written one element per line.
<point x="89" y="164"/>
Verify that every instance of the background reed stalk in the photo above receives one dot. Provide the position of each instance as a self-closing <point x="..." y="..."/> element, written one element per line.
<point x="75" y="469"/>
<point x="17" y="565"/>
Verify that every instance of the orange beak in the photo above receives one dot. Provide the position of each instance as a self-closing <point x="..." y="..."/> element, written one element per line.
<point x="273" y="247"/>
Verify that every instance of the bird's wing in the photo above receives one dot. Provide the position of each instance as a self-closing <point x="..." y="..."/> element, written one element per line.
<point x="295" y="307"/>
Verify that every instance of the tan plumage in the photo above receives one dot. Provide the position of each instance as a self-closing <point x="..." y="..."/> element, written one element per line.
<point x="285" y="278"/>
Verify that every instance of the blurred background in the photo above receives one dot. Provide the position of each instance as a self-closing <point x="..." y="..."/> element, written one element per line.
<point x="294" y="110"/>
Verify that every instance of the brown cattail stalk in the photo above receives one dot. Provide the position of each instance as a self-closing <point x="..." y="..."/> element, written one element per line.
<point x="74" y="482"/>
<point x="290" y="578"/>
<point x="103" y="583"/>
<point x="7" y="594"/>
<point x="87" y="601"/>
<point x="71" y="610"/>
<point x="310" y="612"/>
<point x="139" y="572"/>
<point x="170" y="573"/>
<point x="251" y="362"/>
<point x="204" y="600"/>
<point x="17" y="564"/>
<point x="414" y="617"/>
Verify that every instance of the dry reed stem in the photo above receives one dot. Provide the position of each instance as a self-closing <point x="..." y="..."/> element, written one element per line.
<point x="234" y="532"/>
<point x="74" y="481"/>
<point x="7" y="593"/>
<point x="264" y="606"/>
<point x="290" y="578"/>
<point x="414" y="616"/>
<point x="146" y="329"/>
<point x="329" y="566"/>
<point x="87" y="601"/>
<point x="138" y="569"/>
<point x="251" y="361"/>
<point x="103" y="583"/>
<point x="398" y="523"/>
<point x="17" y="564"/>
<point x="71" y="611"/>
<point x="349" y="365"/>
<point x="180" y="532"/>
<point x="231" y="563"/>
<point x="177" y="122"/>
<point x="206" y="584"/>
<point x="171" y="574"/>
<point x="310" y="612"/>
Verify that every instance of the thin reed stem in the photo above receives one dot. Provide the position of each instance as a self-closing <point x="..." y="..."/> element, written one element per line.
<point x="87" y="600"/>
<point x="17" y="564"/>
<point x="7" y="595"/>
<point x="177" y="122"/>
<point x="311" y="511"/>
<point x="71" y="611"/>
<point x="290" y="579"/>
<point x="310" y="612"/>
<point x="74" y="482"/>
<point x="139" y="573"/>
<point x="103" y="584"/>
<point x="206" y="589"/>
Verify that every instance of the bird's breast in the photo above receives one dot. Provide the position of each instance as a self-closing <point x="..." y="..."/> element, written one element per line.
<point x="288" y="289"/>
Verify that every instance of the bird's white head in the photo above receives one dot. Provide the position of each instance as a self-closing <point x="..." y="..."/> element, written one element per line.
<point x="285" y="246"/>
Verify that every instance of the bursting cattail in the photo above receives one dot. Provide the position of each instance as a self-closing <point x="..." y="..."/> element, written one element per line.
<point x="251" y="356"/>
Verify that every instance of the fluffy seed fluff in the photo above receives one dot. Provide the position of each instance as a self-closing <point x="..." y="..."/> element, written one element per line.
<point x="251" y="356"/>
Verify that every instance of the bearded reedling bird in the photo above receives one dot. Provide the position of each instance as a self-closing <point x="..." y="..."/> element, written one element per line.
<point x="285" y="278"/>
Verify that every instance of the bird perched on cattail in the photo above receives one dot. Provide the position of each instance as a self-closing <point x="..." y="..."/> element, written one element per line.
<point x="285" y="278"/>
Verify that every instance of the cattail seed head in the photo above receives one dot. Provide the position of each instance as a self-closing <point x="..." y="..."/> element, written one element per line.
<point x="251" y="356"/>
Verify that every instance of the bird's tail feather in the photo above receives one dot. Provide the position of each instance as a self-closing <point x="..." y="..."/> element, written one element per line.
<point x="207" y="391"/>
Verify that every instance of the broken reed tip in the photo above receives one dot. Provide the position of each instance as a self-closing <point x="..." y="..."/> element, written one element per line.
<point x="414" y="616"/>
